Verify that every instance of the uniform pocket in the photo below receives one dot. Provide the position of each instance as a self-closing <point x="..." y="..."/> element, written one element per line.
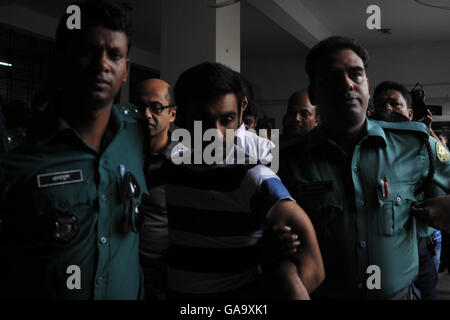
<point x="394" y="215"/>
<point x="61" y="210"/>
<point x="323" y="205"/>
<point x="75" y="198"/>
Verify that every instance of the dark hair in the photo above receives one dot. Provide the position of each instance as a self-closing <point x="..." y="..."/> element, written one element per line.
<point x="329" y="46"/>
<point x="206" y="83"/>
<point x="252" y="106"/>
<point x="110" y="14"/>
<point x="41" y="97"/>
<point x="293" y="100"/>
<point x="392" y="85"/>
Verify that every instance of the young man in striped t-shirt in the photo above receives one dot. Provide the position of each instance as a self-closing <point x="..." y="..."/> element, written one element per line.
<point x="217" y="212"/>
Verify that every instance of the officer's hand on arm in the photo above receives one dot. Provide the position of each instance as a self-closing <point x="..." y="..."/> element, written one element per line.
<point x="434" y="211"/>
<point x="279" y="242"/>
<point x="428" y="120"/>
<point x="303" y="272"/>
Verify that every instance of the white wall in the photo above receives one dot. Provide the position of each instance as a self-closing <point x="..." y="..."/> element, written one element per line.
<point x="274" y="81"/>
<point x="429" y="65"/>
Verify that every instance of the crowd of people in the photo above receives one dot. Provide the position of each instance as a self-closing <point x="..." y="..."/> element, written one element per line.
<point x="94" y="206"/>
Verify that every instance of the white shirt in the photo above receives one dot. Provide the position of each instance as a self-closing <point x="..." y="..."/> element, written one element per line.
<point x="257" y="147"/>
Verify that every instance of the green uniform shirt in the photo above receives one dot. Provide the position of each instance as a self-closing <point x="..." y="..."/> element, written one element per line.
<point x="357" y="223"/>
<point x="61" y="172"/>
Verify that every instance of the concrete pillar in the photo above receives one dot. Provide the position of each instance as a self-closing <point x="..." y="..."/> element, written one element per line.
<point x="192" y="33"/>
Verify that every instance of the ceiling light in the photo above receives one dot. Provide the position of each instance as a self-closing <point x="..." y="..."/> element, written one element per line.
<point x="5" y="64"/>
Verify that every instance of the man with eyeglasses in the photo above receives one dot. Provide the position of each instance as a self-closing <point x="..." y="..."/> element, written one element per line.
<point x="155" y="100"/>
<point x="301" y="116"/>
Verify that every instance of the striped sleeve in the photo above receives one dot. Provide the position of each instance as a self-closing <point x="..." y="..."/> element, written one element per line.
<point x="269" y="190"/>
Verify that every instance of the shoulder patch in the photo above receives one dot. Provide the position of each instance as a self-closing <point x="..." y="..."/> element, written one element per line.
<point x="442" y="152"/>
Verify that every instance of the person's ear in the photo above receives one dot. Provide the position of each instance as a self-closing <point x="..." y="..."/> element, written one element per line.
<point x="317" y="119"/>
<point x="125" y="76"/>
<point x="244" y="104"/>
<point x="172" y="114"/>
<point x="410" y="114"/>
<point x="311" y="95"/>
<point x="243" y="107"/>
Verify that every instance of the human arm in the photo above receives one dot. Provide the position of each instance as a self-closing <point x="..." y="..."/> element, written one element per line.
<point x="428" y="120"/>
<point x="303" y="272"/>
<point x="435" y="212"/>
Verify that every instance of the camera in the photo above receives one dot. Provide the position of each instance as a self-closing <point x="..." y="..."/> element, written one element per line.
<point x="418" y="102"/>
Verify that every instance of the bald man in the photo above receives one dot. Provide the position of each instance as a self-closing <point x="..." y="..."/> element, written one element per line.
<point x="301" y="116"/>
<point x="155" y="99"/>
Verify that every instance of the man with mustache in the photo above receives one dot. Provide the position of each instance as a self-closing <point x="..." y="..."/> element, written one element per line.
<point x="70" y="197"/>
<point x="301" y="116"/>
<point x="392" y="99"/>
<point x="392" y="103"/>
<point x="358" y="178"/>
<point x="155" y="99"/>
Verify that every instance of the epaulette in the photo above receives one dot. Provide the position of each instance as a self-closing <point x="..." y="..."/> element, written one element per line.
<point x="414" y="126"/>
<point x="130" y="111"/>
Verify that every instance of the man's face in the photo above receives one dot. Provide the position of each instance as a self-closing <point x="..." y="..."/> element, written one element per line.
<point x="301" y="118"/>
<point x="156" y="93"/>
<point x="394" y="101"/>
<point x="221" y="114"/>
<point x="250" y="122"/>
<point x="341" y="90"/>
<point x="96" y="68"/>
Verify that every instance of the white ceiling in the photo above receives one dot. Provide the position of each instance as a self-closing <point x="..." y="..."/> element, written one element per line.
<point x="261" y="37"/>
<point x="411" y="23"/>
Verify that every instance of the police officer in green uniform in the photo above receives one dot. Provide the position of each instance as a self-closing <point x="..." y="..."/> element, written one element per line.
<point x="70" y="197"/>
<point x="358" y="178"/>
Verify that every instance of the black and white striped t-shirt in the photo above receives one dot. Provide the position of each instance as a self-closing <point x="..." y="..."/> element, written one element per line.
<point x="216" y="215"/>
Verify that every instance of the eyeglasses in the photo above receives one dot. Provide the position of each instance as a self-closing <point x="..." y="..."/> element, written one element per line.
<point x="155" y="107"/>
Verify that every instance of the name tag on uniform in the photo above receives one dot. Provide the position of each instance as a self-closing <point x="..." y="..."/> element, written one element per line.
<point x="316" y="187"/>
<point x="59" y="178"/>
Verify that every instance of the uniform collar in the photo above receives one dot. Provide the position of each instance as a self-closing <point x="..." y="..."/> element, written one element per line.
<point x="115" y="124"/>
<point x="371" y="131"/>
<point x="375" y="131"/>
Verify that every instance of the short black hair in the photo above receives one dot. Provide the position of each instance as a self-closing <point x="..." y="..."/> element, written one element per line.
<point x="293" y="100"/>
<point x="107" y="13"/>
<point x="206" y="83"/>
<point x="252" y="106"/>
<point x="329" y="46"/>
<point x="392" y="85"/>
